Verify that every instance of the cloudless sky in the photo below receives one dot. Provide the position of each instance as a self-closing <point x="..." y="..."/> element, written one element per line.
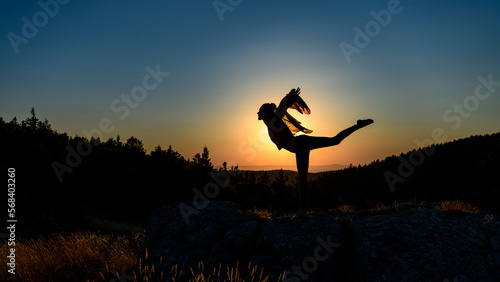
<point x="413" y="76"/>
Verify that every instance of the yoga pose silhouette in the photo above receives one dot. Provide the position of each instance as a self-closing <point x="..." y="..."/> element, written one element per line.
<point x="282" y="128"/>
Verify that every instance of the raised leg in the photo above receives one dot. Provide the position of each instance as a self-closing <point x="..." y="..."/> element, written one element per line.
<point x="304" y="144"/>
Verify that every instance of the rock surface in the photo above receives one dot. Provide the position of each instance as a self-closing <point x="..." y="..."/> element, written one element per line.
<point x="404" y="243"/>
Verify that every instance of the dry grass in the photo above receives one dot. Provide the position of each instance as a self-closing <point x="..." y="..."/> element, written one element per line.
<point x="346" y="208"/>
<point x="86" y="256"/>
<point x="380" y="207"/>
<point x="200" y="274"/>
<point x="263" y="213"/>
<point x="68" y="258"/>
<point x="457" y="206"/>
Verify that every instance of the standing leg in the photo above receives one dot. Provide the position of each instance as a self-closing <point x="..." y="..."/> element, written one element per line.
<point x="302" y="158"/>
<point x="304" y="144"/>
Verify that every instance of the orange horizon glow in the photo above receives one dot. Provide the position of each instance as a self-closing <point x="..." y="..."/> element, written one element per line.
<point x="221" y="72"/>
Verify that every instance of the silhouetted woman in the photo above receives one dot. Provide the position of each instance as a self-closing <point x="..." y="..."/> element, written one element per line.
<point x="282" y="128"/>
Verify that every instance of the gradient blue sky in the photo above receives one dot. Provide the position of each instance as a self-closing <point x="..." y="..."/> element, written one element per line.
<point x="426" y="60"/>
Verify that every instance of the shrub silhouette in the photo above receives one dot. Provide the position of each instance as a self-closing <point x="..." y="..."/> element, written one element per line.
<point x="120" y="180"/>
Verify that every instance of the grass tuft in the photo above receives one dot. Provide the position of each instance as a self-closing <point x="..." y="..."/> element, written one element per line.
<point x="456" y="206"/>
<point x="87" y="256"/>
<point x="69" y="258"/>
<point x="263" y="213"/>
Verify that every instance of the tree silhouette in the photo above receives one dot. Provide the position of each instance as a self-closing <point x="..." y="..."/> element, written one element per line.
<point x="30" y="122"/>
<point x="283" y="192"/>
<point x="264" y="180"/>
<point x="135" y="145"/>
<point x="250" y="178"/>
<point x="281" y="179"/>
<point x="44" y="126"/>
<point x="113" y="144"/>
<point x="203" y="161"/>
<point x="122" y="181"/>
<point x="33" y="121"/>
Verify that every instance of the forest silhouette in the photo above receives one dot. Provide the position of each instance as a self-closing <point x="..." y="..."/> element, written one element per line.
<point x="120" y="180"/>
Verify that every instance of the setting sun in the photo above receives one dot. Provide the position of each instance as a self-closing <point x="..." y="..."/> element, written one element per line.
<point x="232" y="140"/>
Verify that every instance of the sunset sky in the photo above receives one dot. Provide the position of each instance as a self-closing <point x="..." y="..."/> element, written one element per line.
<point x="412" y="66"/>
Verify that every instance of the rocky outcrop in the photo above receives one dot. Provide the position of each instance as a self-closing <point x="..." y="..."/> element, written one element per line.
<point x="404" y="243"/>
<point x="426" y="245"/>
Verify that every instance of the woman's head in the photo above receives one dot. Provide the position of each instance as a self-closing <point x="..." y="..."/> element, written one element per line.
<point x="266" y="110"/>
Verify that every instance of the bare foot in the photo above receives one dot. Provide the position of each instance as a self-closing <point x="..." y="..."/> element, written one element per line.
<point x="364" y="122"/>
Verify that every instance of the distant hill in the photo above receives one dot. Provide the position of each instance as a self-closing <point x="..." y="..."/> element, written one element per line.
<point x="66" y="182"/>
<point x="465" y="169"/>
<point x="312" y="168"/>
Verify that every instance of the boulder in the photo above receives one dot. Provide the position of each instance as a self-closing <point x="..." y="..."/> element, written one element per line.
<point x="423" y="244"/>
<point x="216" y="233"/>
<point x="400" y="243"/>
